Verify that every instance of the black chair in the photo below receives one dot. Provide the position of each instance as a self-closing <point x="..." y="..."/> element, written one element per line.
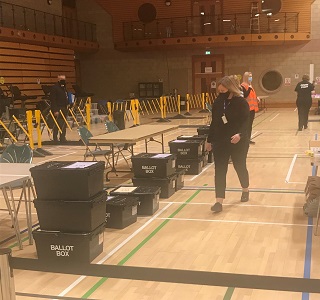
<point x="5" y="100"/>
<point x="17" y="95"/>
<point x="79" y="92"/>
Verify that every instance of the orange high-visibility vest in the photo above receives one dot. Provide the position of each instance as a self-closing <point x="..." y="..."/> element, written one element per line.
<point x="252" y="98"/>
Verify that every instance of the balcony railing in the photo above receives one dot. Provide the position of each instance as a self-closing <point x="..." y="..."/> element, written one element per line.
<point x="23" y="18"/>
<point x="211" y="25"/>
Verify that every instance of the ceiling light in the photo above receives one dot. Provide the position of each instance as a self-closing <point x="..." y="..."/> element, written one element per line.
<point x="226" y="20"/>
<point x="277" y="20"/>
<point x="202" y="13"/>
<point x="168" y="2"/>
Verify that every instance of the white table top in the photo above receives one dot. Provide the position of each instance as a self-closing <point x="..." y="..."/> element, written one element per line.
<point x="133" y="135"/>
<point x="14" y="172"/>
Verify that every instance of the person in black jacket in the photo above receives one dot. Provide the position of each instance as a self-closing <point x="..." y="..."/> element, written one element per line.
<point x="304" y="90"/>
<point x="228" y="137"/>
<point x="59" y="102"/>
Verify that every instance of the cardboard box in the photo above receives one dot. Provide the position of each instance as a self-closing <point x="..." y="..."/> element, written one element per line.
<point x="314" y="146"/>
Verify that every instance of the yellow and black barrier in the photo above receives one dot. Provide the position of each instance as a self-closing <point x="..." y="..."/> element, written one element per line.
<point x="188" y="105"/>
<point x="178" y="103"/>
<point x="8" y="131"/>
<point x="163" y="109"/>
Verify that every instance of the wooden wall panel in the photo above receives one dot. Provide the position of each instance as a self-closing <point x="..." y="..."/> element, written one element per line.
<point x="23" y="65"/>
<point x="183" y="8"/>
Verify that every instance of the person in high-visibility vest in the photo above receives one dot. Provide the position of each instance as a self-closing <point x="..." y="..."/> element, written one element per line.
<point x="250" y="95"/>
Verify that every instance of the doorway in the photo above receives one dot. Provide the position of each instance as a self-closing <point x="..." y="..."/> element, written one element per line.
<point x="206" y="17"/>
<point x="206" y="72"/>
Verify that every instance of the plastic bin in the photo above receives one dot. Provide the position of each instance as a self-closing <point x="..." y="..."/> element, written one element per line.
<point x="167" y="185"/>
<point x="153" y="165"/>
<point x="59" y="247"/>
<point x="203" y="130"/>
<point x="68" y="180"/>
<point x="121" y="211"/>
<point x="201" y="138"/>
<point x="191" y="166"/>
<point x="148" y="197"/>
<point x="71" y="216"/>
<point x="180" y="179"/>
<point x="186" y="148"/>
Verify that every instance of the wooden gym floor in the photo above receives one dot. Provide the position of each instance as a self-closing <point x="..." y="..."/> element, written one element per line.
<point x="269" y="235"/>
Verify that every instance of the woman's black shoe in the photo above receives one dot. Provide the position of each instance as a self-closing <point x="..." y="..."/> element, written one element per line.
<point x="217" y="207"/>
<point x="245" y="197"/>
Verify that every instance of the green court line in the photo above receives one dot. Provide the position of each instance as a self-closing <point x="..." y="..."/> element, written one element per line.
<point x="138" y="247"/>
<point x="229" y="293"/>
<point x="16" y="244"/>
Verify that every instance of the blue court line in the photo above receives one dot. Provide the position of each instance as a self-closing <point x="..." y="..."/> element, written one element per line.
<point x="13" y="236"/>
<point x="307" y="258"/>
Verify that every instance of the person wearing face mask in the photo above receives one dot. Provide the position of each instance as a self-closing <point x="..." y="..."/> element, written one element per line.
<point x="59" y="102"/>
<point x="228" y="137"/>
<point x="250" y="95"/>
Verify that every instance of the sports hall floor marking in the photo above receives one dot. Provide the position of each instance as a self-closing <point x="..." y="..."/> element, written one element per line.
<point x="236" y="204"/>
<point x="50" y="159"/>
<point x="264" y="119"/>
<point x="291" y="168"/>
<point x="237" y="222"/>
<point x="308" y="253"/>
<point x="138" y="247"/>
<point x="112" y="252"/>
<point x="254" y="190"/>
<point x="274" y="117"/>
<point x="196" y="176"/>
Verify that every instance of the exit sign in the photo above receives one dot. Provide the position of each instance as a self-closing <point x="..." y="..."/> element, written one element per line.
<point x="208" y="52"/>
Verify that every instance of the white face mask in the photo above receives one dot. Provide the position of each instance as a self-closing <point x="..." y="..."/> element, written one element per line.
<point x="250" y="79"/>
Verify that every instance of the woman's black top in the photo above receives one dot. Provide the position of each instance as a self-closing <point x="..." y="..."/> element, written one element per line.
<point x="237" y="113"/>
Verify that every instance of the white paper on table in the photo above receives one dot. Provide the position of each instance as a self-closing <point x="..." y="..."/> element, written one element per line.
<point x="126" y="189"/>
<point x="80" y="165"/>
<point x="186" y="136"/>
<point x="179" y="141"/>
<point x="161" y="155"/>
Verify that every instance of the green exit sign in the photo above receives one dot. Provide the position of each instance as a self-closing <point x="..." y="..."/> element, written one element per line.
<point x="208" y="52"/>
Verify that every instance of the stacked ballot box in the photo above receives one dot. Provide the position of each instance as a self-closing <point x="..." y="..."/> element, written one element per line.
<point x="71" y="209"/>
<point x="157" y="170"/>
<point x="190" y="152"/>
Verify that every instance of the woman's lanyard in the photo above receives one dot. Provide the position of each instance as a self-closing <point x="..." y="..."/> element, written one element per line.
<point x="224" y="118"/>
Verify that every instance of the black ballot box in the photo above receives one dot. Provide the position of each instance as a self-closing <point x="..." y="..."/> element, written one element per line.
<point x="121" y="211"/>
<point x="191" y="166"/>
<point x="148" y="197"/>
<point x="203" y="130"/>
<point x="167" y="184"/>
<point x="180" y="179"/>
<point x="71" y="216"/>
<point x="68" y="180"/>
<point x="153" y="164"/>
<point x="69" y="248"/>
<point x="201" y="138"/>
<point x="186" y="149"/>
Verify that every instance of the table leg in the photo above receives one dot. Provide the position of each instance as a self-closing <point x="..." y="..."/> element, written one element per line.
<point x="13" y="215"/>
<point x="28" y="210"/>
<point x="162" y="143"/>
<point x="146" y="143"/>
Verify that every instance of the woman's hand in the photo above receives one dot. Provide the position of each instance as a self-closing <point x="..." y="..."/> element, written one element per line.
<point x="208" y="146"/>
<point x="235" y="138"/>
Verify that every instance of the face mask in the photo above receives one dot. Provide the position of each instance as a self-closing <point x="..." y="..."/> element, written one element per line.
<point x="250" y="79"/>
<point x="62" y="82"/>
<point x="225" y="95"/>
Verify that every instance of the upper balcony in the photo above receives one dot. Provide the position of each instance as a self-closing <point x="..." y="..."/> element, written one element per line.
<point x="213" y="30"/>
<point x="22" y="24"/>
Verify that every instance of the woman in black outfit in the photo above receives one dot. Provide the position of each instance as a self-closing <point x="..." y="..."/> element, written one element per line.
<point x="228" y="138"/>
